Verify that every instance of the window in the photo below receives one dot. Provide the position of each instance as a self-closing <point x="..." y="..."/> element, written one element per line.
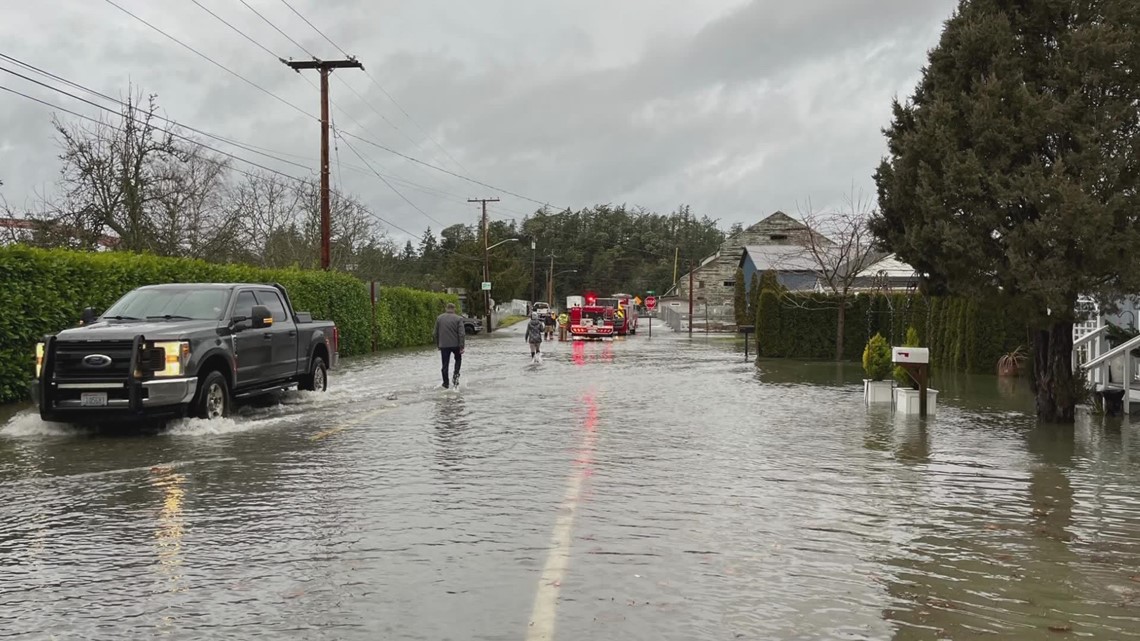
<point x="778" y="237"/>
<point x="273" y="302"/>
<point x="244" y="304"/>
<point x="730" y="283"/>
<point x="700" y="284"/>
<point x="201" y="304"/>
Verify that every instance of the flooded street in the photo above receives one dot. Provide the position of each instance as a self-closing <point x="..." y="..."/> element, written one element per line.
<point x="641" y="489"/>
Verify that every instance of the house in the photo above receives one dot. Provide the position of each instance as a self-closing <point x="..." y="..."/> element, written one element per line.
<point x="886" y="274"/>
<point x="795" y="267"/>
<point x="23" y="230"/>
<point x="714" y="279"/>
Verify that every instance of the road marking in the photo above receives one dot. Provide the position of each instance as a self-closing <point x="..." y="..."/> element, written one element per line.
<point x="323" y="434"/>
<point x="545" y="611"/>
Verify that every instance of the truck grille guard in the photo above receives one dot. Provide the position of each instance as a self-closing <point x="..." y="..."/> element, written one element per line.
<point x="133" y="382"/>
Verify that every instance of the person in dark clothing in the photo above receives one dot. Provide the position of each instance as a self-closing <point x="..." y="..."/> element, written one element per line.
<point x="450" y="337"/>
<point x="549" y="322"/>
<point x="533" y="336"/>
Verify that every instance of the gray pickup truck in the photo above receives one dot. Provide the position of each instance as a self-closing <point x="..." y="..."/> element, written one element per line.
<point x="178" y="350"/>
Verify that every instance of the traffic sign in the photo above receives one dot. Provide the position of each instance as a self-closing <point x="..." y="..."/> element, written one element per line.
<point x="486" y="286"/>
<point x="636" y="300"/>
<point x="650" y="302"/>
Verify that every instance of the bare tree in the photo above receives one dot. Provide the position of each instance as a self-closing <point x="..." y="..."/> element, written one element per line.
<point x="265" y="210"/>
<point x="840" y="248"/>
<point x="111" y="175"/>
<point x="190" y="217"/>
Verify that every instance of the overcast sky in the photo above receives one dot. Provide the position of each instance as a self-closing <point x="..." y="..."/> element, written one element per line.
<point x="737" y="108"/>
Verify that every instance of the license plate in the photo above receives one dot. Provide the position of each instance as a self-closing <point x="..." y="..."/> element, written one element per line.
<point x="93" y="399"/>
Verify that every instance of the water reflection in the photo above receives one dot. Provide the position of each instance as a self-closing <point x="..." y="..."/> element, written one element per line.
<point x="168" y="538"/>
<point x="451" y="422"/>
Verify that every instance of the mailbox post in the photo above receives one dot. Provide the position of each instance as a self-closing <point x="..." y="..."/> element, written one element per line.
<point x="747" y="331"/>
<point x="916" y="361"/>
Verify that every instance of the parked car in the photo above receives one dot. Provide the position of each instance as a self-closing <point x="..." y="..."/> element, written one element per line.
<point x="178" y="350"/>
<point x="543" y="309"/>
<point x="472" y="325"/>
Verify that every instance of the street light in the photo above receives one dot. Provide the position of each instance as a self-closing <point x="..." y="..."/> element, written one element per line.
<point x="550" y="286"/>
<point x="509" y="240"/>
<point x="487" y="275"/>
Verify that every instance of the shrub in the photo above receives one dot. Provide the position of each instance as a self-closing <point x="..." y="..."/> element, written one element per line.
<point x="877" y="358"/>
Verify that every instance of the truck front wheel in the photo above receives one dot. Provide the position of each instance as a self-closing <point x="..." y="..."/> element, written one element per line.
<point x="213" y="397"/>
<point x="317" y="380"/>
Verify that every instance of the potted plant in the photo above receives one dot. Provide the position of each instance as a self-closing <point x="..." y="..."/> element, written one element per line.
<point x="907" y="393"/>
<point x="1010" y="364"/>
<point x="877" y="366"/>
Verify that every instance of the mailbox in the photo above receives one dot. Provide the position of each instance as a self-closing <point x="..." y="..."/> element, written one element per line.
<point x="918" y="355"/>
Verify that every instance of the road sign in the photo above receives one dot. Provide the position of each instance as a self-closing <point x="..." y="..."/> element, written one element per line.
<point x="650" y="302"/>
<point x="486" y="286"/>
<point x="650" y="292"/>
<point x="636" y="300"/>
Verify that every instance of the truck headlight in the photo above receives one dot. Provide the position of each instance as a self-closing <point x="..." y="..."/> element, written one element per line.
<point x="176" y="356"/>
<point x="39" y="359"/>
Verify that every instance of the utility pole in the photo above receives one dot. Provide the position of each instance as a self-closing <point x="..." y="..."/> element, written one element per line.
<point x="533" y="271"/>
<point x="486" y="257"/>
<point x="690" y="299"/>
<point x="325" y="67"/>
<point x="550" y="283"/>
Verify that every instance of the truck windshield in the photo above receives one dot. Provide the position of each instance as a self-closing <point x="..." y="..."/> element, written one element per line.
<point x="177" y="304"/>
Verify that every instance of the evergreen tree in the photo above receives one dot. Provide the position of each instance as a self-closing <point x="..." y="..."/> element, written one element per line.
<point x="754" y="291"/>
<point x="1012" y="171"/>
<point x="740" y="298"/>
<point x="770" y="282"/>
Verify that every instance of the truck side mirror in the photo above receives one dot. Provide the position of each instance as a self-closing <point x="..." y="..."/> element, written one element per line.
<point x="262" y="317"/>
<point x="88" y="316"/>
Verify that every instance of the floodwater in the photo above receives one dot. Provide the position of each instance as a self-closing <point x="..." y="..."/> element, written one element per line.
<point x="643" y="489"/>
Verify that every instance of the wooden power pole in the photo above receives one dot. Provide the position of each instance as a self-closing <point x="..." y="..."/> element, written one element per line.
<point x="325" y="67"/>
<point x="486" y="257"/>
<point x="690" y="299"/>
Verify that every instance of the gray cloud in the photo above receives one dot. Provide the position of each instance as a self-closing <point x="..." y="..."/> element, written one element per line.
<point x="735" y="107"/>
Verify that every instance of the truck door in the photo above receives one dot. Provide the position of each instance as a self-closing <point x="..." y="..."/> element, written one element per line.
<point x="283" y="361"/>
<point x="252" y="349"/>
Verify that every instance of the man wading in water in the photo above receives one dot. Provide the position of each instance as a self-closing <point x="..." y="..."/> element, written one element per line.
<point x="450" y="337"/>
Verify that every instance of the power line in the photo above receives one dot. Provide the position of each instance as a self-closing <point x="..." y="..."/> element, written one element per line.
<point x="343" y="52"/>
<point x="382" y="116"/>
<point x="279" y="58"/>
<point x="287" y="37"/>
<point x="120" y="103"/>
<point x="385" y="180"/>
<point x="441" y="169"/>
<point x="216" y="63"/>
<point x="261" y="151"/>
<point x="413" y="121"/>
<point x="190" y="140"/>
<point x="381" y="88"/>
<point x="239" y="31"/>
<point x="308" y="115"/>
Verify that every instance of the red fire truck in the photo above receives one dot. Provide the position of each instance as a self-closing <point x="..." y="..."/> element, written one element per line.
<point x="625" y="313"/>
<point x="591" y="321"/>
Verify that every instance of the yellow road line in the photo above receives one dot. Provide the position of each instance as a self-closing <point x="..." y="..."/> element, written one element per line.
<point x="545" y="611"/>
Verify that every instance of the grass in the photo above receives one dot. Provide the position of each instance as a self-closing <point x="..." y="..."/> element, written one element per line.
<point x="511" y="320"/>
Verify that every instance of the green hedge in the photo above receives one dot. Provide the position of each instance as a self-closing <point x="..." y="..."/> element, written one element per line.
<point x="44" y="291"/>
<point x="962" y="335"/>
